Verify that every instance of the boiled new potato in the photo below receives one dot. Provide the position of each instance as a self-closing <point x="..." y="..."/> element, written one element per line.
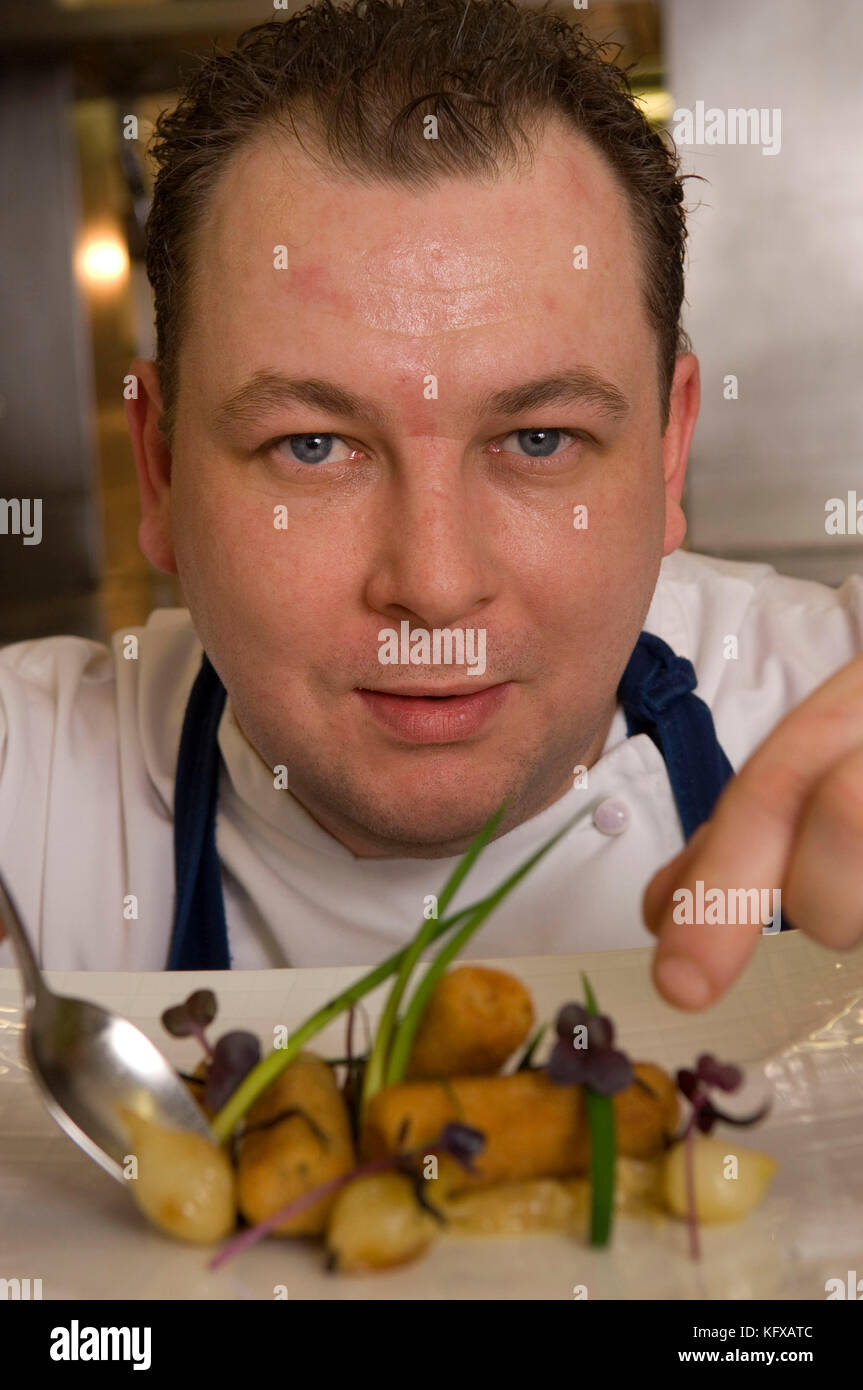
<point x="184" y="1182"/>
<point x="719" y="1196"/>
<point x="377" y="1222"/>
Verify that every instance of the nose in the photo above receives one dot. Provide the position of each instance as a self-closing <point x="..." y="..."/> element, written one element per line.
<point x="433" y="562"/>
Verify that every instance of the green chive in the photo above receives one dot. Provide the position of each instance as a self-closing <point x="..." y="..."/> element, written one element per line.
<point x="271" y="1066"/>
<point x="600" y="1122"/>
<point x="590" y="997"/>
<point x="533" y="1043"/>
<point x="376" y="1071"/>
<point x="265" y="1072"/>
<point x="600" y="1119"/>
<point x="406" y="1030"/>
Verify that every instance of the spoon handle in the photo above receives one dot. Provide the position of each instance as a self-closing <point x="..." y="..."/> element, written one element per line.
<point x="31" y="975"/>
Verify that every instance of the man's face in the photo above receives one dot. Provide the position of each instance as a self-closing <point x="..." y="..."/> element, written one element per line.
<point x="420" y="503"/>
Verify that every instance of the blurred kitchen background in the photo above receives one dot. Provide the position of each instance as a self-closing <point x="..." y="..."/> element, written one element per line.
<point x="775" y="286"/>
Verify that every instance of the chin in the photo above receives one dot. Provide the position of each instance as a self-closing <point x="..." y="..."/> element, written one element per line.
<point x="433" y="813"/>
<point x="424" y="832"/>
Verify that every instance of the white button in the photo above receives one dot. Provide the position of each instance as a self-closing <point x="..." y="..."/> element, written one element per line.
<point x="611" y="816"/>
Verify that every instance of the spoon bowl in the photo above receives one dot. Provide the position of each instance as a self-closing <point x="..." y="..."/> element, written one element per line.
<point x="91" y="1065"/>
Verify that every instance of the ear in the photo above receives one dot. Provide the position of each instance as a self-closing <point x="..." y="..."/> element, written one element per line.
<point x="683" y="412"/>
<point x="153" y="464"/>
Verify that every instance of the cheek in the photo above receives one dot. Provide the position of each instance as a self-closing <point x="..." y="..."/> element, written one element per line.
<point x="588" y="572"/>
<point x="608" y="521"/>
<point x="252" y="563"/>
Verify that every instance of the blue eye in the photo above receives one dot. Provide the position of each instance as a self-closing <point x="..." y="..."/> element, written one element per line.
<point x="540" y="443"/>
<point x="310" y="448"/>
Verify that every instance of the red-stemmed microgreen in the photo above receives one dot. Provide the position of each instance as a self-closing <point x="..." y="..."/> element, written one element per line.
<point x="228" y="1062"/>
<point x="461" y="1142"/>
<point x="695" y="1086"/>
<point x="192" y="1017"/>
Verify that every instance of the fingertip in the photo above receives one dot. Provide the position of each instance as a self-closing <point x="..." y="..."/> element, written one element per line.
<point x="682" y="983"/>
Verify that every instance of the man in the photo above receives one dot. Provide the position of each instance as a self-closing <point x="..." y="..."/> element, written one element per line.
<point x="415" y="445"/>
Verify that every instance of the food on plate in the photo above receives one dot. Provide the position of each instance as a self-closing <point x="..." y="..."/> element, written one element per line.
<point x="506" y="1154"/>
<point x="449" y="1123"/>
<point x="532" y="1127"/>
<point x="297" y="1136"/>
<point x="518" y="1208"/>
<point x="181" y="1181"/>
<point x="552" y="1204"/>
<point x="728" y="1180"/>
<point x="377" y="1222"/>
<point x="473" y="1022"/>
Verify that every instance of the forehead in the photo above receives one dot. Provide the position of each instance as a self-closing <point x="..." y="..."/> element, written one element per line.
<point x="295" y="268"/>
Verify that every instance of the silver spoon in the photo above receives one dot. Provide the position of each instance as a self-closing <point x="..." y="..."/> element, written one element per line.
<point x="90" y="1064"/>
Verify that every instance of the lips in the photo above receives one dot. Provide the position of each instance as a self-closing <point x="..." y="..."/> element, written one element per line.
<point x="435" y="714"/>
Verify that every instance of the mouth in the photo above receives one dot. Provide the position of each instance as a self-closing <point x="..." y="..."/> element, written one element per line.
<point x="435" y="713"/>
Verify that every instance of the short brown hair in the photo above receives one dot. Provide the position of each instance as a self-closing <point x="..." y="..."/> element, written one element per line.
<point x="361" y="78"/>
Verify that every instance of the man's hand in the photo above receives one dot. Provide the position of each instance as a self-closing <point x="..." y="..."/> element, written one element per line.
<point x="792" y="819"/>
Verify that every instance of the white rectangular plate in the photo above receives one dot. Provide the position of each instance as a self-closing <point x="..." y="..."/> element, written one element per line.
<point x="795" y="1020"/>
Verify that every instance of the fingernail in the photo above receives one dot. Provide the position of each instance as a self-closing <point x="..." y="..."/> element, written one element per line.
<point x="683" y="984"/>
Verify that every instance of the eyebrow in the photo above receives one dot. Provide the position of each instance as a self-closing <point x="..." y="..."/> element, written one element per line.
<point x="579" y="386"/>
<point x="270" y="390"/>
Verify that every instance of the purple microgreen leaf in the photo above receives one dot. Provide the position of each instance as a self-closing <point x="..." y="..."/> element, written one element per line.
<point x="713" y="1073"/>
<point x="202" y="1007"/>
<point x="729" y="1078"/>
<point x="567" y="1066"/>
<point x="177" y="1022"/>
<point x="233" y="1058"/>
<point x="189" y="1019"/>
<point x="687" y="1082"/>
<point x="705" y="1067"/>
<point x="608" y="1071"/>
<point x="570" y="1017"/>
<point x="600" y="1032"/>
<point x="461" y="1142"/>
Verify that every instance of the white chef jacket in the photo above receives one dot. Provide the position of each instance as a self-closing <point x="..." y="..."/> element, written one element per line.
<point x="88" y="749"/>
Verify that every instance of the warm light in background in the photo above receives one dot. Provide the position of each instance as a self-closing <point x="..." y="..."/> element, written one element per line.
<point x="657" y="105"/>
<point x="103" y="261"/>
